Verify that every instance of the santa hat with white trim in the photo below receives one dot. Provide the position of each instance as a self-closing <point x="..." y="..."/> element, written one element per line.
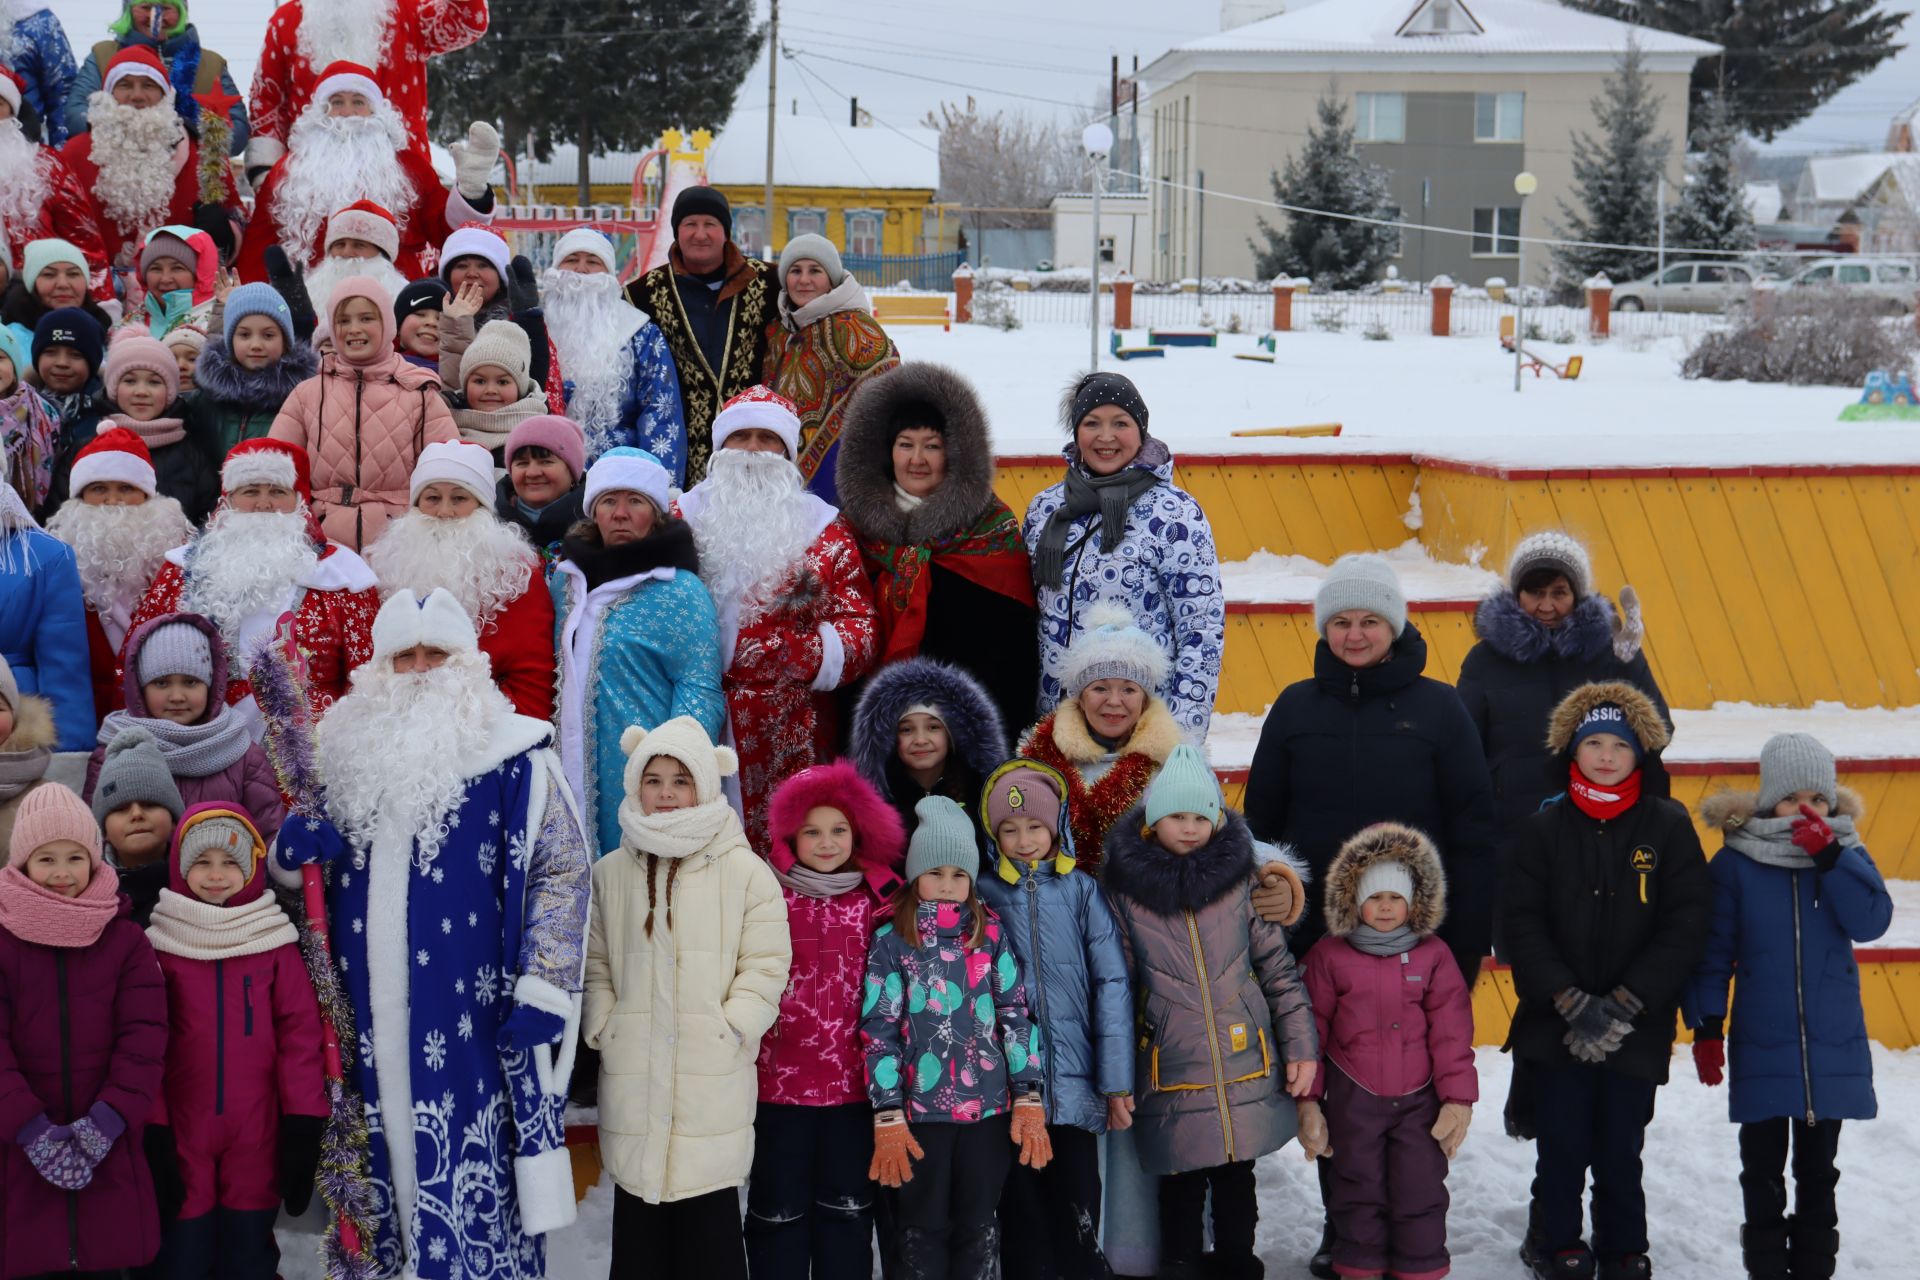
<point x="265" y="461"/>
<point x="346" y="77"/>
<point x="365" y="220"/>
<point x="11" y="87"/>
<point x="763" y="407"/>
<point x="136" y="60"/>
<point x="439" y="622"/>
<point x="114" y="454"/>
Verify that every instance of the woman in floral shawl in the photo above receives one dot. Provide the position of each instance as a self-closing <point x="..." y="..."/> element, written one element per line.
<point x="824" y="346"/>
<point x="950" y="572"/>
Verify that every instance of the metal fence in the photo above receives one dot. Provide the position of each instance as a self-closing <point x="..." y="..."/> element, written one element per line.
<point x="932" y="271"/>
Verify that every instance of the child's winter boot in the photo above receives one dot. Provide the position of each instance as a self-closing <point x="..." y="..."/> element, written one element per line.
<point x="1575" y="1263"/>
<point x="1815" y="1253"/>
<point x="1626" y="1266"/>
<point x="1234" y="1266"/>
<point x="1763" y="1251"/>
<point x="1321" y="1265"/>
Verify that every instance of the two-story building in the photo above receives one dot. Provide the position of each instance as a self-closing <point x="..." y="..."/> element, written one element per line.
<point x="1454" y="98"/>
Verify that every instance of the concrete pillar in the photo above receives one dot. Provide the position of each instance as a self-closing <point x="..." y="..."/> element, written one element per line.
<point x="963" y="294"/>
<point x="1442" y="290"/>
<point x="1282" y="304"/>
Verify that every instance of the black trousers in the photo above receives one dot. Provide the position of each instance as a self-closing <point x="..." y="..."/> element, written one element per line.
<point x="809" y="1201"/>
<point x="1183" y="1198"/>
<point x="945" y="1224"/>
<point x="1590" y="1118"/>
<point x="693" y="1239"/>
<point x="1763" y="1163"/>
<point x="1050" y="1220"/>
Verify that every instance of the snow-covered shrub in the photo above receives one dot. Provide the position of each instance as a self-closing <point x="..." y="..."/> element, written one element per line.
<point x="1377" y="331"/>
<point x="1330" y="319"/>
<point x="1807" y="339"/>
<point x="993" y="306"/>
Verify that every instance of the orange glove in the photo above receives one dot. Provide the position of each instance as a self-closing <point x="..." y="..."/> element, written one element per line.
<point x="1029" y="1133"/>
<point x="894" y="1150"/>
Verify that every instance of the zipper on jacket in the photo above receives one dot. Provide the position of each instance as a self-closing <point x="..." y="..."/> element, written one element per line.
<point x="246" y="1001"/>
<point x="219" y="1037"/>
<point x="1800" y="1002"/>
<point x="1213" y="1033"/>
<point x="66" y="1098"/>
<point x="1030" y="881"/>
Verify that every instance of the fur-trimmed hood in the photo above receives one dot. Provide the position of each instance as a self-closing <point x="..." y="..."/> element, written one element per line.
<point x="1642" y="716"/>
<point x="219" y="378"/>
<point x="137" y="639"/>
<point x="1138" y="868"/>
<point x="1386" y="842"/>
<point x="880" y="838"/>
<point x="1731" y="810"/>
<point x="1155" y="737"/>
<point x="973" y="721"/>
<point x="864" y="475"/>
<point x="33" y="726"/>
<point x="1510" y="631"/>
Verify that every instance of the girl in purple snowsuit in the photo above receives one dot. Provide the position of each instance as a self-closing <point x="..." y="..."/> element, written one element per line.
<point x="1396" y="1032"/>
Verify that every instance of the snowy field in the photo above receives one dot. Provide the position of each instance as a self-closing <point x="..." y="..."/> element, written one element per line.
<point x="1693" y="1195"/>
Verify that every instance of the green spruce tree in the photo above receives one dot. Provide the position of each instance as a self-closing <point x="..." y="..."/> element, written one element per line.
<point x="1783" y="57"/>
<point x="1329" y="175"/>
<point x="1615" y="178"/>
<point x="1713" y="212"/>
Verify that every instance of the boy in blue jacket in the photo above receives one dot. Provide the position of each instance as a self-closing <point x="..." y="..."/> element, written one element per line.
<point x="1793" y="891"/>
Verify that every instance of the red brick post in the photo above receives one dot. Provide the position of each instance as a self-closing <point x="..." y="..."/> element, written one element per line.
<point x="1282" y="304"/>
<point x="963" y="294"/>
<point x="1123" y="301"/>
<point x="1442" y="288"/>
<point x="1600" y="306"/>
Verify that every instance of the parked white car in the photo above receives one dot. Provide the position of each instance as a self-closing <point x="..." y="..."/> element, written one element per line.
<point x="1892" y="280"/>
<point x="1688" y="286"/>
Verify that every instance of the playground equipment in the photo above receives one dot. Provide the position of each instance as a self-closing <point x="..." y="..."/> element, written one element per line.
<point x="912" y="308"/>
<point x="1120" y="352"/>
<point x="1568" y="372"/>
<point x="1886" y="397"/>
<point x="1183" y="338"/>
<point x="1295" y="433"/>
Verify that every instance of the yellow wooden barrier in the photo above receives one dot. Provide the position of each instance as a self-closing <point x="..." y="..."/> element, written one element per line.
<point x="897" y="308"/>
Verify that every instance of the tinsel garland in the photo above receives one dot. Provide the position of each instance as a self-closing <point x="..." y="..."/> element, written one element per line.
<point x="1094" y="809"/>
<point x="342" y="1175"/>
<point x="216" y="139"/>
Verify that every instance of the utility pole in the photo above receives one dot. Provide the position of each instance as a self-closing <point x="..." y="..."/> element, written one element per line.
<point x="1660" y="270"/>
<point x="1200" y="228"/>
<point x="773" y="112"/>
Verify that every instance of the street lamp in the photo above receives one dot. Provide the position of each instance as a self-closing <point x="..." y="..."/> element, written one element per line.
<point x="1524" y="185"/>
<point x="1097" y="138"/>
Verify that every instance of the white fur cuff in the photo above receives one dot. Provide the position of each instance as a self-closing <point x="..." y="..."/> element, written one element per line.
<point x="552" y="1064"/>
<point x="1263" y="853"/>
<point x="833" y="660"/>
<point x="545" y="1186"/>
<point x="264" y="152"/>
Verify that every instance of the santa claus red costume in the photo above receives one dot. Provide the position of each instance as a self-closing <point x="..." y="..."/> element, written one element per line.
<point x="250" y="567"/>
<point x="796" y="618"/>
<point x="333" y="150"/>
<point x="138" y="165"/>
<point x="40" y="199"/>
<point x="348" y="233"/>
<point x="394" y="38"/>
<point x="119" y="544"/>
<point x="483" y="562"/>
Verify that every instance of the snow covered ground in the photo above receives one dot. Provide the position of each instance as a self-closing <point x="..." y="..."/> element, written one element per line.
<point x="1266" y="578"/>
<point x="1692" y="1166"/>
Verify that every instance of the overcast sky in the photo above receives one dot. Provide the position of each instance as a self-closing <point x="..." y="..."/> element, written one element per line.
<point x="902" y="58"/>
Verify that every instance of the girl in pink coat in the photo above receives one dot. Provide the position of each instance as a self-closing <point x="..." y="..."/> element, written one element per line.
<point x="836" y="849"/>
<point x="364" y="419"/>
<point x="244" y="1093"/>
<point x="1396" y="1030"/>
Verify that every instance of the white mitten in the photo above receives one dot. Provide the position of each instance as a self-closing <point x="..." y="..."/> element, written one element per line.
<point x="473" y="159"/>
<point x="1628" y="627"/>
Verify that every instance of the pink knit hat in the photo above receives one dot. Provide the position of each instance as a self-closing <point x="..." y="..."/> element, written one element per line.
<point x="52" y="812"/>
<point x="132" y="350"/>
<point x="561" y="437"/>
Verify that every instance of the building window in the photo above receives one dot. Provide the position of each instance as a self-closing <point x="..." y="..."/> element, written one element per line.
<point x="803" y="222"/>
<point x="1496" y="232"/>
<point x="750" y="228"/>
<point x="1380" y="117"/>
<point x="1106" y="248"/>
<point x="1499" y="117"/>
<point x="863" y="232"/>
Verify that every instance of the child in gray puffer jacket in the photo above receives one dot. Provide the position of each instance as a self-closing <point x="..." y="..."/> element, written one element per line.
<point x="1226" y="1032"/>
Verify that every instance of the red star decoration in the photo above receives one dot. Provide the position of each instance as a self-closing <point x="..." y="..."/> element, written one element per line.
<point x="219" y="102"/>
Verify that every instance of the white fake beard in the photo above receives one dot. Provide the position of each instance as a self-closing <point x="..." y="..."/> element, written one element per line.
<point x="322" y="280"/>
<point x="329" y="157"/>
<point x="755" y="525"/>
<point x="133" y="149"/>
<point x="243" y="562"/>
<point x="344" y="31"/>
<point x="591" y="322"/>
<point x="119" y="549"/>
<point x="396" y="749"/>
<point x="23" y="179"/>
<point x="482" y="560"/>
<point x="10" y="15"/>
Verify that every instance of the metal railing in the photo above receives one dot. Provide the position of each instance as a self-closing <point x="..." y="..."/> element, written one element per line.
<point x="931" y="271"/>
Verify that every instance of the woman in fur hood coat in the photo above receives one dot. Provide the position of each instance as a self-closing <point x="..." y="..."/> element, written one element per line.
<point x="950" y="572"/>
<point x="1543" y="634"/>
<point x="970" y="737"/>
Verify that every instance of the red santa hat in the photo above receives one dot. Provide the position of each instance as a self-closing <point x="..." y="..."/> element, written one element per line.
<point x="365" y="220"/>
<point x="11" y="87"/>
<point x="265" y="461"/>
<point x="439" y="622"/>
<point x="346" y="77"/>
<point x="763" y="407"/>
<point x="136" y="60"/>
<point x="114" y="454"/>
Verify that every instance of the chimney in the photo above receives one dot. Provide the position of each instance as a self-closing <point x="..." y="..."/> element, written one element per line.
<point x="1238" y="13"/>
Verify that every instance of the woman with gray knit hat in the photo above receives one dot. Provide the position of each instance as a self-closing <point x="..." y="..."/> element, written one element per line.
<point x="825" y="346"/>
<point x="1118" y="529"/>
<point x="1369" y="738"/>
<point x="1542" y="634"/>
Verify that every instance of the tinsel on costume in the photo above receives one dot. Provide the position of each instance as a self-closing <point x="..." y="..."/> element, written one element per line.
<point x="216" y="140"/>
<point x="342" y="1178"/>
<point x="1094" y="809"/>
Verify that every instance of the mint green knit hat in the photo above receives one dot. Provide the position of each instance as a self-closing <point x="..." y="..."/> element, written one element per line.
<point x="1184" y="785"/>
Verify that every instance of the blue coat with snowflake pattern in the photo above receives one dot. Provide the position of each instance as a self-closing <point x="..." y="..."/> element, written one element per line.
<point x="650" y="415"/>
<point x="43" y="58"/>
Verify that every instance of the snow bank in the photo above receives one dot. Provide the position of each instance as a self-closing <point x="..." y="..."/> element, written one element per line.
<point x="1737" y="731"/>
<point x="1266" y="578"/>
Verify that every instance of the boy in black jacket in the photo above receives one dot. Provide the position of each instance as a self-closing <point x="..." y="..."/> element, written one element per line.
<point x="1606" y="911"/>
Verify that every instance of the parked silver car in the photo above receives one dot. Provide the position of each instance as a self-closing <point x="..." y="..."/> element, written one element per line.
<point x="1688" y="286"/>
<point x="1891" y="280"/>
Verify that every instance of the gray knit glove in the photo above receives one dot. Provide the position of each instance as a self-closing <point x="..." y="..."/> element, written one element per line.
<point x="1596" y="1025"/>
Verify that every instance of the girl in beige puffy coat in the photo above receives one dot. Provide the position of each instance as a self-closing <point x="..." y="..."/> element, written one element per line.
<point x="687" y="956"/>
<point x="364" y="418"/>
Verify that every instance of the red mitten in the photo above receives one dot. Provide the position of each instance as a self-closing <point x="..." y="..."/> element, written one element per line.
<point x="1811" y="832"/>
<point x="1710" y="1061"/>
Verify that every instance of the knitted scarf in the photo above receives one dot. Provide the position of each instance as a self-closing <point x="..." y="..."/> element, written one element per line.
<point x="155" y="432"/>
<point x="197" y="930"/>
<point x="1095" y="809"/>
<point x="675" y="833"/>
<point x="42" y="917"/>
<point x="1769" y="841"/>
<point x="1109" y="497"/>
<point x="191" y="750"/>
<point x="809" y="883"/>
<point x="989" y="554"/>
<point x="1603" y="803"/>
<point x="1376" y="942"/>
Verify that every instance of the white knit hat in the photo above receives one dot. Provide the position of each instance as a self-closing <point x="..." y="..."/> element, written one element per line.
<point x="1552" y="549"/>
<point x="684" y="740"/>
<point x="475" y="242"/>
<point x="455" y="462"/>
<point x="439" y="622"/>
<point x="1385" y="876"/>
<point x="1361" y="581"/>
<point x="762" y="407"/>
<point x="585" y="239"/>
<point x="628" y="469"/>
<point x="1113" y="648"/>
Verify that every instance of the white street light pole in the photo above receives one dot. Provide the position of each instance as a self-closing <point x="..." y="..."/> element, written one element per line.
<point x="1660" y="271"/>
<point x="1097" y="138"/>
<point x="1524" y="185"/>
